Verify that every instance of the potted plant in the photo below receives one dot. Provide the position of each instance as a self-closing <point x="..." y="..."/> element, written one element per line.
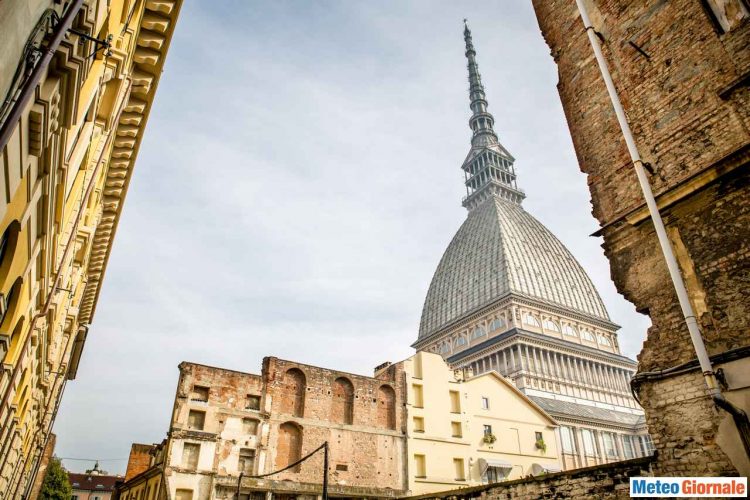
<point x="489" y="438"/>
<point x="541" y="445"/>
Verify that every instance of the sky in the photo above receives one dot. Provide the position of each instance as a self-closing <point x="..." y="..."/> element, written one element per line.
<point x="297" y="185"/>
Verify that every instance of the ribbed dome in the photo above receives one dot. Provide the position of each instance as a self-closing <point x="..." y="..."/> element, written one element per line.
<point x="502" y="249"/>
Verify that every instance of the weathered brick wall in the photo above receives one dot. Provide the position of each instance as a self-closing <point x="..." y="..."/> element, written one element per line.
<point x="602" y="482"/>
<point x="139" y="459"/>
<point x="365" y="453"/>
<point x="688" y="109"/>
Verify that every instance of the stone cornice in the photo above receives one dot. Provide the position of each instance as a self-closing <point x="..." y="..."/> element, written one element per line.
<point x="152" y="42"/>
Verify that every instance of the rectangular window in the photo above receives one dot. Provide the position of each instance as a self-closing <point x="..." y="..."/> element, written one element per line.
<point x="196" y="420"/>
<point x="458" y="465"/>
<point x="627" y="447"/>
<point x="252" y="402"/>
<point x="487" y="430"/>
<point x="182" y="494"/>
<point x="455" y="402"/>
<point x="418" y="424"/>
<point x="566" y="437"/>
<point x="588" y="442"/>
<point x="485" y="403"/>
<point x="250" y="426"/>
<point x="246" y="461"/>
<point x="609" y="445"/>
<point x="648" y="445"/>
<point x="456" y="429"/>
<point x="199" y="393"/>
<point x="420" y="466"/>
<point x="538" y="436"/>
<point x="190" y="454"/>
<point x="418" y="396"/>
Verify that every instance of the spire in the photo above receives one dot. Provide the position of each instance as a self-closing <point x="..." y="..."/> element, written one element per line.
<point x="488" y="168"/>
<point x="481" y="120"/>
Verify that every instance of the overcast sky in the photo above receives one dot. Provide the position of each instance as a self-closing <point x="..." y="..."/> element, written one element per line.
<point x="297" y="185"/>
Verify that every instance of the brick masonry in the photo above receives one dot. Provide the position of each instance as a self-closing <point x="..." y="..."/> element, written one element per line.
<point x="687" y="101"/>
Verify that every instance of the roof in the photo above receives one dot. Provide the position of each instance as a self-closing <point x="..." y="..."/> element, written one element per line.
<point x="499" y="250"/>
<point x="515" y="390"/>
<point x="93" y="482"/>
<point x="560" y="408"/>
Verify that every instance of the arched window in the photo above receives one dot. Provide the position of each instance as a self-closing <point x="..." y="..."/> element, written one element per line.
<point x="289" y="447"/>
<point x="342" y="410"/>
<point x="587" y="335"/>
<point x="570" y="330"/>
<point x="551" y="325"/>
<point x="497" y="324"/>
<point x="460" y="341"/>
<point x="387" y="407"/>
<point x="478" y="332"/>
<point x="295" y="387"/>
<point x="8" y="244"/>
<point x="604" y="340"/>
<point x="10" y="304"/>
<point x="530" y="320"/>
<point x="445" y="348"/>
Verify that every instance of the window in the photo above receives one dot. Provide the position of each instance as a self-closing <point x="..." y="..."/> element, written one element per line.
<point x="587" y="437"/>
<point x="604" y="340"/>
<point x="455" y="402"/>
<point x="456" y="429"/>
<point x="250" y="426"/>
<point x="648" y="444"/>
<point x="727" y="14"/>
<point x="458" y="465"/>
<point x="566" y="437"/>
<point x="478" y="332"/>
<point x="199" y="394"/>
<point x="418" y="396"/>
<point x="444" y="349"/>
<point x="587" y="335"/>
<point x="570" y="330"/>
<point x="487" y="430"/>
<point x="418" y="424"/>
<point x="497" y="324"/>
<point x="252" y="402"/>
<point x="190" y="454"/>
<point x="609" y="445"/>
<point x="420" y="466"/>
<point x="551" y="325"/>
<point x="246" y="461"/>
<point x="460" y="341"/>
<point x="627" y="447"/>
<point x="494" y="474"/>
<point x="196" y="420"/>
<point x="538" y="436"/>
<point x="485" y="403"/>
<point x="342" y="467"/>
<point x="529" y="319"/>
<point x="183" y="494"/>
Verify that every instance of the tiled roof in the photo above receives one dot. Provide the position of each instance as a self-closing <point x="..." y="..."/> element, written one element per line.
<point x="90" y="482"/>
<point x="565" y="408"/>
<point x="502" y="249"/>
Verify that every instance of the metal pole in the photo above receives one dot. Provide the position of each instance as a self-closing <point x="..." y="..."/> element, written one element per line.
<point x="325" y="471"/>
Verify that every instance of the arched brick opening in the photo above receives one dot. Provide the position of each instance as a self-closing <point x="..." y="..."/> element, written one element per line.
<point x="342" y="408"/>
<point x="293" y="401"/>
<point x="387" y="407"/>
<point x="289" y="446"/>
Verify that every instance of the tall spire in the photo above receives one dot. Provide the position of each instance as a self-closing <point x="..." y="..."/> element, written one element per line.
<point x="481" y="121"/>
<point x="488" y="168"/>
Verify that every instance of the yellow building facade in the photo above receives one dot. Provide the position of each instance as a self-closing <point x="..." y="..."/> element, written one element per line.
<point x="77" y="80"/>
<point x="466" y="430"/>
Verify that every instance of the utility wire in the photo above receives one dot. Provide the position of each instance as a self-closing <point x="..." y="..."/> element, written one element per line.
<point x="292" y="464"/>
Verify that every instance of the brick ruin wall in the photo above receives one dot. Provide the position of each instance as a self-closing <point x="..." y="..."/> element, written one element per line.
<point x="688" y="103"/>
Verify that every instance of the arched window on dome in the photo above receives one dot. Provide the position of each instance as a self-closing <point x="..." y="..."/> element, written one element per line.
<point x="497" y="324"/>
<point x="551" y="325"/>
<point x="530" y="320"/>
<point x="570" y="330"/>
<point x="586" y="335"/>
<point x="604" y="340"/>
<point x="445" y="349"/>
<point x="460" y="341"/>
<point x="478" y="332"/>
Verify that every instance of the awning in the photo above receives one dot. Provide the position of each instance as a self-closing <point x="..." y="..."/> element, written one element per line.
<point x="539" y="469"/>
<point x="486" y="463"/>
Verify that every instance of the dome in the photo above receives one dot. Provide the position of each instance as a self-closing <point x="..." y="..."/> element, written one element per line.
<point x="499" y="250"/>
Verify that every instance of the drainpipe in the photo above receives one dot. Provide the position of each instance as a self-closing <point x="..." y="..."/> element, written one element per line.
<point x="29" y="87"/>
<point x="740" y="417"/>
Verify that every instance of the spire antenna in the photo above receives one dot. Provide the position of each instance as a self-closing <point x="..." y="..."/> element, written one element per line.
<point x="488" y="168"/>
